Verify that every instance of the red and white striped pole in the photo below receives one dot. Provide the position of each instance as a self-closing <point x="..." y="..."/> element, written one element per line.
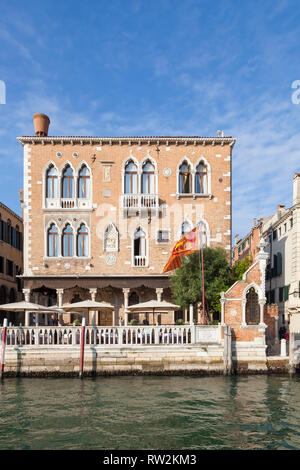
<point x="3" y="346"/>
<point x="82" y="348"/>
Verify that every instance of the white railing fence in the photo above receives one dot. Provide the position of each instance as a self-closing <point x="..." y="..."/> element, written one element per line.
<point x="111" y="335"/>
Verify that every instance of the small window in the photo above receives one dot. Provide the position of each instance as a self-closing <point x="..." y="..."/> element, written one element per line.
<point x="291" y="223"/>
<point x="9" y="268"/>
<point x="243" y="245"/>
<point x="284" y="228"/>
<point x="274" y="234"/>
<point x="1" y="264"/>
<point x="163" y="236"/>
<point x="280" y="294"/>
<point x="286" y="293"/>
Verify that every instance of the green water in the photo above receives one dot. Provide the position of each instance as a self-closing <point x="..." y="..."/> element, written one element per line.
<point x="261" y="412"/>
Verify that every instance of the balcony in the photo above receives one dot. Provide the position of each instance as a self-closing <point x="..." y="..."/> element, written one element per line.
<point x="141" y="203"/>
<point x="140" y="261"/>
<point x="67" y="203"/>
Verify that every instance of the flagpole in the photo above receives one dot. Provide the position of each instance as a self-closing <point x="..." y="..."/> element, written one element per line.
<point x="203" y="289"/>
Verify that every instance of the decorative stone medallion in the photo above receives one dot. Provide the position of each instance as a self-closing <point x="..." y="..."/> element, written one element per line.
<point x="167" y="172"/>
<point x="110" y="259"/>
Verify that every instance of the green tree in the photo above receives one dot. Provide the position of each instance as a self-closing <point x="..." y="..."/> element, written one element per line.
<point x="219" y="275"/>
<point x="241" y="266"/>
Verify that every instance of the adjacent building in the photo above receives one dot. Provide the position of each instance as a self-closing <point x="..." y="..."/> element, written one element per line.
<point x="281" y="231"/>
<point x="11" y="260"/>
<point x="102" y="214"/>
<point x="248" y="245"/>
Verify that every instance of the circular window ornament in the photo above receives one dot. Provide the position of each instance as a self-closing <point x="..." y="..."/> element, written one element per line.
<point x="110" y="260"/>
<point x="167" y="172"/>
<point x="59" y="154"/>
<point x="75" y="155"/>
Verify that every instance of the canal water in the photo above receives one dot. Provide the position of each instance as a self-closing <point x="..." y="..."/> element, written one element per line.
<point x="248" y="412"/>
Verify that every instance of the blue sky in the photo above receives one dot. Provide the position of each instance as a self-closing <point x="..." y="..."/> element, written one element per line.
<point x="158" y="67"/>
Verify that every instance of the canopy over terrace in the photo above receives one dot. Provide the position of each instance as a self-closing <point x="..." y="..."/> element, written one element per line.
<point x="26" y="307"/>
<point x="87" y="306"/>
<point x="154" y="307"/>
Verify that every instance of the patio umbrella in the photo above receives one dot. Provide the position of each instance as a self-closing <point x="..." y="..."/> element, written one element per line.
<point x="24" y="306"/>
<point x="153" y="306"/>
<point x="87" y="305"/>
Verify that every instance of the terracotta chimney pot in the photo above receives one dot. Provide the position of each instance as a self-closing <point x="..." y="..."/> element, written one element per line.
<point x="41" y="124"/>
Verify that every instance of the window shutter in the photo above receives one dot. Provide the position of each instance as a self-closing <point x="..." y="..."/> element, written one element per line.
<point x="279" y="264"/>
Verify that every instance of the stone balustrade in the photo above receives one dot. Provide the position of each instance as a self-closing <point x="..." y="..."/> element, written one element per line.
<point x="171" y="335"/>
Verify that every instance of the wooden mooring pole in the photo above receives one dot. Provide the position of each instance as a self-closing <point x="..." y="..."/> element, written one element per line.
<point x="82" y="348"/>
<point x="3" y="346"/>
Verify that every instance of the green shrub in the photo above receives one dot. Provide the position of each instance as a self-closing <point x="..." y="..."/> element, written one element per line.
<point x="133" y="322"/>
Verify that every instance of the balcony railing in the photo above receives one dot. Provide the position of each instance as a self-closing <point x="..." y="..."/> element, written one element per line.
<point x="52" y="336"/>
<point x="140" y="261"/>
<point x="140" y="202"/>
<point x="68" y="203"/>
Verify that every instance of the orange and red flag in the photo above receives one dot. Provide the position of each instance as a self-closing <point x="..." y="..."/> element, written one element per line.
<point x="187" y="245"/>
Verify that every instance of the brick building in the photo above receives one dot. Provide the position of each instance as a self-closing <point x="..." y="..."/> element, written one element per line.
<point x="101" y="214"/>
<point x="248" y="245"/>
<point x="11" y="260"/>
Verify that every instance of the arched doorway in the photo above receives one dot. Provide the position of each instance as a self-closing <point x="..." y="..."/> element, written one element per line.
<point x="252" y="307"/>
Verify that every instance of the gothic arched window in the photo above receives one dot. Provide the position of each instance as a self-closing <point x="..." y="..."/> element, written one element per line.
<point x="148" y="181"/>
<point x="130" y="186"/>
<point x="67" y="241"/>
<point x="84" y="183"/>
<point x="51" y="182"/>
<point x="83" y="241"/>
<point x="185" y="179"/>
<point x="201" y="179"/>
<point x="68" y="183"/>
<point x="252" y="307"/>
<point x="139" y="248"/>
<point x="52" y="241"/>
<point x="185" y="228"/>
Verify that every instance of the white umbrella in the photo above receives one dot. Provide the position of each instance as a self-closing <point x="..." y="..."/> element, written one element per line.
<point x="87" y="305"/>
<point x="21" y="306"/>
<point x="154" y="306"/>
<point x="24" y="306"/>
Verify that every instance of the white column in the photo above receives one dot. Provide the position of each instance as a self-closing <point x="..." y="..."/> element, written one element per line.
<point x="261" y="311"/>
<point x="283" y="347"/>
<point x="244" y="301"/>
<point x="185" y="315"/>
<point x="26" y="293"/>
<point x="95" y="319"/>
<point x="159" y="293"/>
<point x="60" y="293"/>
<point x="36" y="301"/>
<point x="191" y="314"/>
<point x="126" y="291"/>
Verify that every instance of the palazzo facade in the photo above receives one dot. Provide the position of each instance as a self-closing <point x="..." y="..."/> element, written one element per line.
<point x="102" y="214"/>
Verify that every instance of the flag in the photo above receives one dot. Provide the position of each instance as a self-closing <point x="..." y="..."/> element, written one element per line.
<point x="187" y="245"/>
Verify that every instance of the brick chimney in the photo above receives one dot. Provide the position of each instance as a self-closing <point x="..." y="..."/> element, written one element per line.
<point x="296" y="188"/>
<point x="41" y="124"/>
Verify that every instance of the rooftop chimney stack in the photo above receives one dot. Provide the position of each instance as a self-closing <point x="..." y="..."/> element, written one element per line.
<point x="41" y="124"/>
<point x="296" y="188"/>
